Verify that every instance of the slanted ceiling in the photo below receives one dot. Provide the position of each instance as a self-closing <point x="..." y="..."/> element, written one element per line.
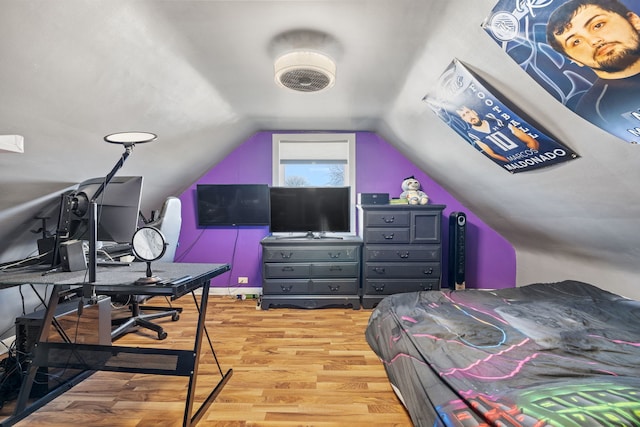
<point x="199" y="73"/>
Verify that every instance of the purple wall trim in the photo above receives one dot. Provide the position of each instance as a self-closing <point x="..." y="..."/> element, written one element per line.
<point x="380" y="168"/>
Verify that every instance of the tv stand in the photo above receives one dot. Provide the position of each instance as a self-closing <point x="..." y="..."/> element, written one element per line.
<point x="311" y="272"/>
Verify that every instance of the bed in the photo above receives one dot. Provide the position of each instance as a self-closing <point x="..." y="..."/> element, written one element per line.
<point x="550" y="354"/>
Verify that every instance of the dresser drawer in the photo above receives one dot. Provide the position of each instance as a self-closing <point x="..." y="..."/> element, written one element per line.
<point x="373" y="218"/>
<point x="404" y="253"/>
<point x="389" y="287"/>
<point x="310" y="287"/>
<point x="282" y="270"/>
<point x="333" y="287"/>
<point x="338" y="269"/>
<point x="402" y="270"/>
<point x="322" y="253"/>
<point x="386" y="235"/>
<point x="285" y="287"/>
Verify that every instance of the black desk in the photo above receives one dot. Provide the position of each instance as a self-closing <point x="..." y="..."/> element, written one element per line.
<point x="177" y="280"/>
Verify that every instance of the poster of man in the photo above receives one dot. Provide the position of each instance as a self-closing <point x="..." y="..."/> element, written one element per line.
<point x="586" y="53"/>
<point x="477" y="114"/>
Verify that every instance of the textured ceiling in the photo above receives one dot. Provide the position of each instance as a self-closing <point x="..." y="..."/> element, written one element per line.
<point x="199" y="73"/>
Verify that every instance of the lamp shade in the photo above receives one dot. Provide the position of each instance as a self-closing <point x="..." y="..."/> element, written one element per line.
<point x="130" y="138"/>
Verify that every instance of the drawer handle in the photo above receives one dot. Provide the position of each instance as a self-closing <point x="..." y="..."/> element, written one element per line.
<point x="334" y="288"/>
<point x="428" y="271"/>
<point x="287" y="269"/>
<point x="334" y="255"/>
<point x="285" y="255"/>
<point x="403" y="254"/>
<point x="389" y="220"/>
<point x="427" y="287"/>
<point x="388" y="236"/>
<point x="379" y="270"/>
<point x="285" y="288"/>
<point x="379" y="288"/>
<point x="335" y="268"/>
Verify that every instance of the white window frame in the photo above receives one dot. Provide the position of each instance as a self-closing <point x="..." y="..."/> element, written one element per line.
<point x="321" y="147"/>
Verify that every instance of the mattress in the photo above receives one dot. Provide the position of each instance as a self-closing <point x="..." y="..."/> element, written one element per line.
<point x="550" y="354"/>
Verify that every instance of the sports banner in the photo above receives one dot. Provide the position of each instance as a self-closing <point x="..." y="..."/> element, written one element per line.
<point x="586" y="53"/>
<point x="476" y="112"/>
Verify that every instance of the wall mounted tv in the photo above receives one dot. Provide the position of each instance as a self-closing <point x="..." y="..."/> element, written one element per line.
<point x="232" y="204"/>
<point x="310" y="210"/>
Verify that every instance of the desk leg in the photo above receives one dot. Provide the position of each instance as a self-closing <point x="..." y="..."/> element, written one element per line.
<point x="190" y="419"/>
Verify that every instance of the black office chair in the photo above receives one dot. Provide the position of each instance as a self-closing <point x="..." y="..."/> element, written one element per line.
<point x="168" y="221"/>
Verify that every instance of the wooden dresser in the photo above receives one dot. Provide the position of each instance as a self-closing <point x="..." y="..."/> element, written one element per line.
<point x="311" y="273"/>
<point x="402" y="249"/>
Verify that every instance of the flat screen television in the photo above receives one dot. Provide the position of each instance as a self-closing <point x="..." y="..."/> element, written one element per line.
<point x="310" y="210"/>
<point x="232" y="204"/>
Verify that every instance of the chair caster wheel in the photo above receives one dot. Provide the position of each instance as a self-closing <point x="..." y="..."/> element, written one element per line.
<point x="162" y="335"/>
<point x="175" y="317"/>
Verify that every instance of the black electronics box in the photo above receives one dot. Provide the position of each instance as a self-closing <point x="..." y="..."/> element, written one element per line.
<point x="72" y="256"/>
<point x="373" y="198"/>
<point x="45" y="250"/>
<point x="93" y="326"/>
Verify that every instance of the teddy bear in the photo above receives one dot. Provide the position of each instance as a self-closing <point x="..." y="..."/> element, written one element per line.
<point x="411" y="191"/>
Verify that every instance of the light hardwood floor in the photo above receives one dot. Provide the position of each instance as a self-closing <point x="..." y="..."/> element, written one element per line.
<point x="291" y="367"/>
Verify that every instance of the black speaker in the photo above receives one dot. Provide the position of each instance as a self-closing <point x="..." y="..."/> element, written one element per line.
<point x="373" y="198"/>
<point x="72" y="256"/>
<point x="457" y="250"/>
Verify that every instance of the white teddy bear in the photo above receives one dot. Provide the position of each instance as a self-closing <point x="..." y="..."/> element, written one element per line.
<point x="411" y="192"/>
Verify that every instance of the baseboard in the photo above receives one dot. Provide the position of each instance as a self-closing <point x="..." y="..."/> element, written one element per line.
<point x="234" y="292"/>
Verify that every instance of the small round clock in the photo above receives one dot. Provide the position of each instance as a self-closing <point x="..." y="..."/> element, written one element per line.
<point x="148" y="244"/>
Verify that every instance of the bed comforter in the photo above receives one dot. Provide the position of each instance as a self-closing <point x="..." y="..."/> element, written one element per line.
<point x="558" y="354"/>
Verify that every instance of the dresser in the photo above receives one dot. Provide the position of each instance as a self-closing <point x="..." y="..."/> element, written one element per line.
<point x="402" y="249"/>
<point x="311" y="273"/>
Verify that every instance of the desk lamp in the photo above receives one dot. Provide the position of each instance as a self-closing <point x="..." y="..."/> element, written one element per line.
<point x="129" y="140"/>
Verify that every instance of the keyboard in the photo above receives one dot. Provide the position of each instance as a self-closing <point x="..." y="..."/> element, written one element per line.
<point x="118" y="249"/>
<point x="113" y="263"/>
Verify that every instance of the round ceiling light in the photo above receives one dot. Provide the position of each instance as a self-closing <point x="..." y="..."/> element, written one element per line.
<point x="305" y="71"/>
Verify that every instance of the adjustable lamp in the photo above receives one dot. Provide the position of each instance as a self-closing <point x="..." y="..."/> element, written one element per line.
<point x="129" y="140"/>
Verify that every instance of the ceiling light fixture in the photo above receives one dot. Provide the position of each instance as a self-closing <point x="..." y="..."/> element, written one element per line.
<point x="305" y="71"/>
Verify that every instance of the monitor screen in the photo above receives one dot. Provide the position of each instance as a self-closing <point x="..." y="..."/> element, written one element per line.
<point x="118" y="208"/>
<point x="310" y="209"/>
<point x="232" y="204"/>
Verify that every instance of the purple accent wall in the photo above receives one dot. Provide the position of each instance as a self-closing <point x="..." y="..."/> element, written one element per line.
<point x="380" y="168"/>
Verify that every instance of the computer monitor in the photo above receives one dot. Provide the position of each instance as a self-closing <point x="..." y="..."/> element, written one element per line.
<point x="118" y="208"/>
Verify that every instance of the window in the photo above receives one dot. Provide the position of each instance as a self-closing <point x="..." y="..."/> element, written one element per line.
<point x="316" y="160"/>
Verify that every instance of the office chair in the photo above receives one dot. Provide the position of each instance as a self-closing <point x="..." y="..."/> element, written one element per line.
<point x="168" y="221"/>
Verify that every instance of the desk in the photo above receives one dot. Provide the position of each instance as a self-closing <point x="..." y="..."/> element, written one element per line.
<point x="177" y="280"/>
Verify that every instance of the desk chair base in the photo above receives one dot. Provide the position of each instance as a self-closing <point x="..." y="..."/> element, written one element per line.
<point x="144" y="320"/>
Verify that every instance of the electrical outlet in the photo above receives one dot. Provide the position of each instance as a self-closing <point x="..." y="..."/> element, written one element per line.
<point x="243" y="280"/>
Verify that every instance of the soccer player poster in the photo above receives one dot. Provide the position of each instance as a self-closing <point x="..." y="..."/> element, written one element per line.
<point x="586" y="53"/>
<point x="475" y="112"/>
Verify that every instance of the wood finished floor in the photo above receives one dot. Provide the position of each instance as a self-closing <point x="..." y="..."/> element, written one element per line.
<point x="291" y="367"/>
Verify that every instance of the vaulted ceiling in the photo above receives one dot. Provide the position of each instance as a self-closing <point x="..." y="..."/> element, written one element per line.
<point x="199" y="73"/>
